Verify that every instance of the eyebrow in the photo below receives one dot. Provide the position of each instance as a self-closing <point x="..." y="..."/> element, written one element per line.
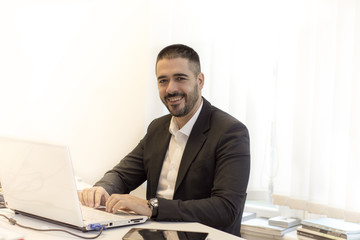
<point x="175" y="75"/>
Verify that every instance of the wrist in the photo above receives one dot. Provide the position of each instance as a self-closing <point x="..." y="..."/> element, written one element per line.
<point x="153" y="204"/>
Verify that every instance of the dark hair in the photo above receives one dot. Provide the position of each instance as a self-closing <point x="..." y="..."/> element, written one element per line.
<point x="181" y="51"/>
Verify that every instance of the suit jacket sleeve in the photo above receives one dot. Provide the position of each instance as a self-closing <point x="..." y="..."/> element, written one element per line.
<point x="127" y="175"/>
<point x="141" y="164"/>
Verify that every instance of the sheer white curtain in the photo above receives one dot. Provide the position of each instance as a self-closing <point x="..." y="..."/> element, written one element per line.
<point x="290" y="70"/>
<point x="317" y="132"/>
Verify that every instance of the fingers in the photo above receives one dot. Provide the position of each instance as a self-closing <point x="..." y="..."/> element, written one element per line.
<point x="80" y="197"/>
<point x="96" y="196"/>
<point x="93" y="197"/>
<point x="110" y="203"/>
<point x="127" y="202"/>
<point x="88" y="196"/>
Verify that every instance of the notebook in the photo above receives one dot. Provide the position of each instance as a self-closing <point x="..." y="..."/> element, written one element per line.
<point x="38" y="180"/>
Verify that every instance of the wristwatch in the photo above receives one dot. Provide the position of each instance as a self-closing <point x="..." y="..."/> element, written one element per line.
<point x="153" y="204"/>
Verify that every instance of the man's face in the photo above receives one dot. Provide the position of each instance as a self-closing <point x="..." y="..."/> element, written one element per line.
<point x="179" y="88"/>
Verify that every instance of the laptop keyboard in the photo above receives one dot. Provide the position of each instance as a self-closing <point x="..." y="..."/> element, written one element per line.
<point x="91" y="214"/>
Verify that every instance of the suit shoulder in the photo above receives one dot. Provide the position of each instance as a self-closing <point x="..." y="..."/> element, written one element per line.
<point x="161" y="122"/>
<point x="221" y="117"/>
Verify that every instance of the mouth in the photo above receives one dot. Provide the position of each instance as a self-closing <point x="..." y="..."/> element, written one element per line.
<point x="174" y="99"/>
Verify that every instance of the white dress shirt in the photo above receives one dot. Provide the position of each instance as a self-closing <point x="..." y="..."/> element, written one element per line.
<point x="173" y="156"/>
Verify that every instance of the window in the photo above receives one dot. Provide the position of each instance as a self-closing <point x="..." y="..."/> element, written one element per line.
<point x="290" y="71"/>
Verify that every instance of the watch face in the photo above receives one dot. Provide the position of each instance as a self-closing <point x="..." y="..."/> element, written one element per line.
<point x="154" y="202"/>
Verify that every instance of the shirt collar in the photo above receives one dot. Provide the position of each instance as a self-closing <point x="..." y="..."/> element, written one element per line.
<point x="186" y="129"/>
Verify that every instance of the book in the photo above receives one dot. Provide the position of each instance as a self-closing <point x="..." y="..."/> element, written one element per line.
<point x="259" y="236"/>
<point x="299" y="237"/>
<point x="261" y="225"/>
<point x="336" y="226"/>
<point x="316" y="235"/>
<point x="331" y="233"/>
<point x="285" y="222"/>
<point x="247" y="216"/>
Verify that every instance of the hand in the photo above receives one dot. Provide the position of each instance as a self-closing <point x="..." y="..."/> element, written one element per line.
<point x="93" y="197"/>
<point x="128" y="203"/>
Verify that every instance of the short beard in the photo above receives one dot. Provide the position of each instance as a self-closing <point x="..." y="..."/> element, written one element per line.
<point x="190" y="102"/>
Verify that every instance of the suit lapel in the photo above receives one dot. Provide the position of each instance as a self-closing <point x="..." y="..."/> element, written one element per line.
<point x="195" y="142"/>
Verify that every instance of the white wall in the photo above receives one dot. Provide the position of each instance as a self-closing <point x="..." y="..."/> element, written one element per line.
<point x="76" y="73"/>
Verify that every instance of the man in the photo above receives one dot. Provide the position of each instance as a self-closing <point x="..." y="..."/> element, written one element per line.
<point x="196" y="160"/>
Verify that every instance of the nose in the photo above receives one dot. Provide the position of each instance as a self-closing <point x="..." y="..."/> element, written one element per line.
<point x="172" y="87"/>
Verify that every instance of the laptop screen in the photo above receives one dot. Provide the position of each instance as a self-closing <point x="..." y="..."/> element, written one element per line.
<point x="38" y="179"/>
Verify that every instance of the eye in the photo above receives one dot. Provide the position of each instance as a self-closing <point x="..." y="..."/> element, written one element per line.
<point x="162" y="81"/>
<point x="180" y="78"/>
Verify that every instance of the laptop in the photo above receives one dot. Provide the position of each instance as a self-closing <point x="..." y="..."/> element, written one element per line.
<point x="38" y="180"/>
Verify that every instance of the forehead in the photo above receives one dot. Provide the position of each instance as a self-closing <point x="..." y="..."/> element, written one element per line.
<point x="171" y="66"/>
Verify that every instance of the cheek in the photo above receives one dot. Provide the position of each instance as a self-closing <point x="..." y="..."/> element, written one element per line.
<point x="162" y="92"/>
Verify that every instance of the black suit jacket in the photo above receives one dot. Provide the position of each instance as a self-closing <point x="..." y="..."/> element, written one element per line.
<point x="213" y="173"/>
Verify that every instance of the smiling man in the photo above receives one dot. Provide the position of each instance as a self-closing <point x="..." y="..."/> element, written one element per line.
<point x="179" y="82"/>
<point x="196" y="160"/>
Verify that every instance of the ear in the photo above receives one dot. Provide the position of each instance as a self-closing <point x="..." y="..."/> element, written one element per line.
<point x="201" y="79"/>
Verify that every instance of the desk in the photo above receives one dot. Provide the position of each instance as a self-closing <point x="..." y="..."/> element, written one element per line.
<point x="109" y="234"/>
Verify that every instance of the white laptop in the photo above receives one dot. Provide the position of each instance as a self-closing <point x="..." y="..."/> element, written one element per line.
<point x="38" y="180"/>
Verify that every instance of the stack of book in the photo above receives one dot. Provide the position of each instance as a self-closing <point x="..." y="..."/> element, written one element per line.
<point x="285" y="222"/>
<point x="264" y="228"/>
<point x="328" y="229"/>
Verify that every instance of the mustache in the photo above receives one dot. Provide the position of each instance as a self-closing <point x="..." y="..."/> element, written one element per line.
<point x="176" y="94"/>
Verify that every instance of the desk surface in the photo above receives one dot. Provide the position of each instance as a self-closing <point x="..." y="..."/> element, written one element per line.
<point x="115" y="233"/>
